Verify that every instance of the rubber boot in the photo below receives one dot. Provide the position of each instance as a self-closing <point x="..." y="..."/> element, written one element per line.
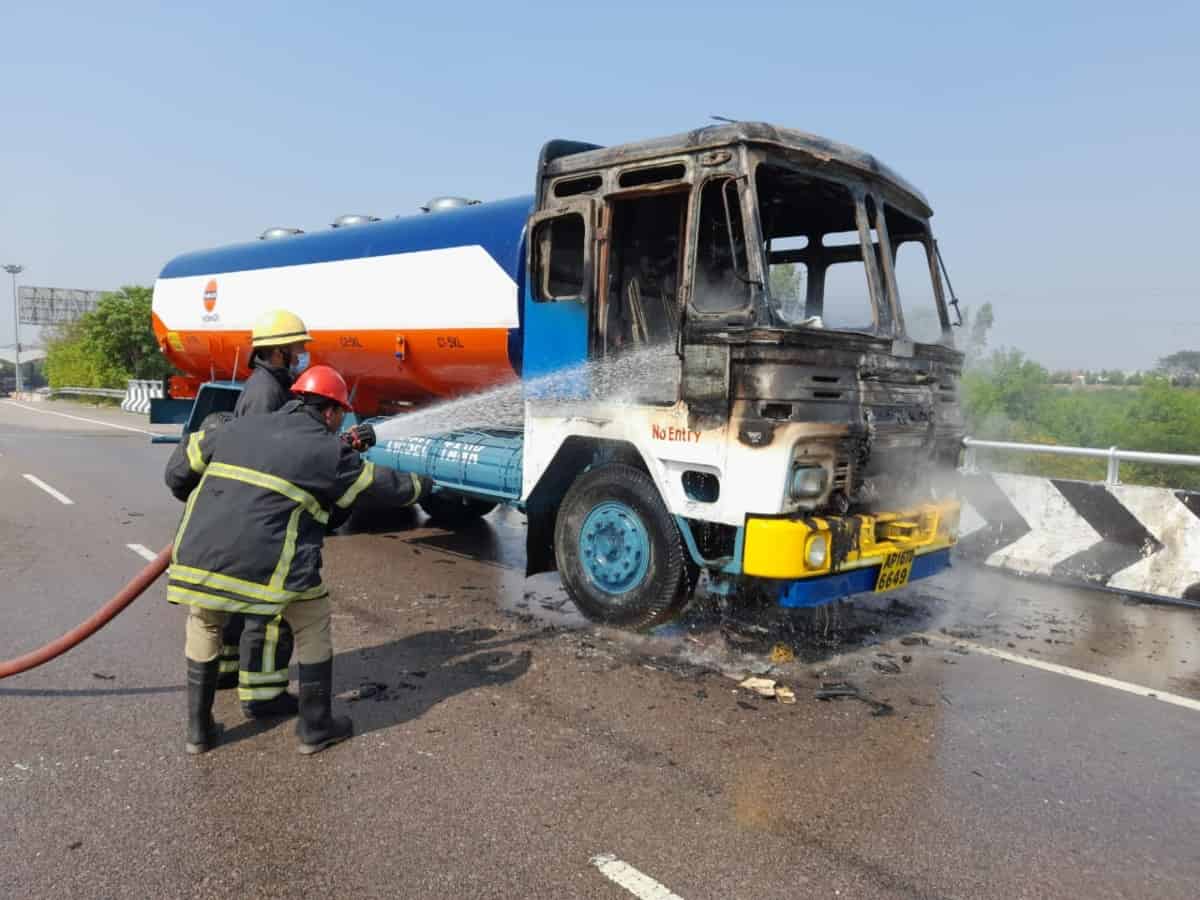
<point x="284" y="705"/>
<point x="317" y="727"/>
<point x="202" y="731"/>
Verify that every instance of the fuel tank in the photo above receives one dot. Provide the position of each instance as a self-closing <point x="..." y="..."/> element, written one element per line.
<point x="481" y="462"/>
<point x="409" y="310"/>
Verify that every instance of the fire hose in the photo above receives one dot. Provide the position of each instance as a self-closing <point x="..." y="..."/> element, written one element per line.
<point x="92" y="623"/>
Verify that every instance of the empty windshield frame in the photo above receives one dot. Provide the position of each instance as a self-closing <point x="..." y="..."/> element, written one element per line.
<point x="792" y="200"/>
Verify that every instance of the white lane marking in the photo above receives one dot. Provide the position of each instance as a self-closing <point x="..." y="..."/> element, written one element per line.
<point x="143" y="551"/>
<point x="631" y="879"/>
<point x="57" y="495"/>
<point x="50" y="412"/>
<point x="1115" y="684"/>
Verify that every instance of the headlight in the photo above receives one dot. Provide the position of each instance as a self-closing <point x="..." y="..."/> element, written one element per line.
<point x="807" y="482"/>
<point x="817" y="551"/>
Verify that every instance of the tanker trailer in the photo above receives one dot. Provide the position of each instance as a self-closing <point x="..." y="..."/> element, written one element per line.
<point x="719" y="373"/>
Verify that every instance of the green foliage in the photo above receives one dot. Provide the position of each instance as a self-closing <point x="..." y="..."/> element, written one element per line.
<point x="108" y="345"/>
<point x="1011" y="398"/>
<point x="787" y="289"/>
<point x="1005" y="389"/>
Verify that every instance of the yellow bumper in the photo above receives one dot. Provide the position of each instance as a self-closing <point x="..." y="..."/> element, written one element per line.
<point x="791" y="548"/>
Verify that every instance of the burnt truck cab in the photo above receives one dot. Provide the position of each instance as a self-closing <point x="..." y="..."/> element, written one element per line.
<point x="792" y="380"/>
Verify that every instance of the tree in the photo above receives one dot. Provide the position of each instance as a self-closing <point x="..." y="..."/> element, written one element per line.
<point x="105" y="347"/>
<point x="1183" y="363"/>
<point x="787" y="289"/>
<point x="120" y="329"/>
<point x="1007" y="389"/>
<point x="1115" y="377"/>
<point x="976" y="325"/>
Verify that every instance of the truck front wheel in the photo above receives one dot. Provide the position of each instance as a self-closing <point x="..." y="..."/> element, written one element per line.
<point x="619" y="550"/>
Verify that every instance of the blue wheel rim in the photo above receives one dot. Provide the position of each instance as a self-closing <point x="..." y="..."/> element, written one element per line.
<point x="614" y="547"/>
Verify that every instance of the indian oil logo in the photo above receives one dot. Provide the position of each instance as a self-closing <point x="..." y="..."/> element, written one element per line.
<point x="210" y="301"/>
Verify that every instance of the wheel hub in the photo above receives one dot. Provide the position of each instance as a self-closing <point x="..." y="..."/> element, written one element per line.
<point x="614" y="547"/>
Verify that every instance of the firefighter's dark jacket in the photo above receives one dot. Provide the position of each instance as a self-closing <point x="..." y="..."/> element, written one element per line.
<point x="260" y="491"/>
<point x="267" y="389"/>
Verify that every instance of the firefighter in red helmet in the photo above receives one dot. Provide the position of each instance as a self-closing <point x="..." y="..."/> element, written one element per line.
<point x="260" y="492"/>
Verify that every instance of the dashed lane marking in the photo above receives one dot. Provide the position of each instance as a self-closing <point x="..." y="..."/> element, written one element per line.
<point x="142" y="551"/>
<point x="50" y="412"/>
<point x="637" y="883"/>
<point x="1080" y="674"/>
<point x="57" y="495"/>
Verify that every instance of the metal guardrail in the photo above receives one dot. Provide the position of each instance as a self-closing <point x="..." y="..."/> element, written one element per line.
<point x="1114" y="455"/>
<point x="118" y="393"/>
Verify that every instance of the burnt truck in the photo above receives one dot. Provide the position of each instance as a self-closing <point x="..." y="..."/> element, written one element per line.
<point x="735" y="344"/>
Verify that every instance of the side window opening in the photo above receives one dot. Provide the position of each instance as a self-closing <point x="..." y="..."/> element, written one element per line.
<point x="559" y="257"/>
<point x="642" y="293"/>
<point x="914" y="277"/>
<point x="810" y="224"/>
<point x="721" y="282"/>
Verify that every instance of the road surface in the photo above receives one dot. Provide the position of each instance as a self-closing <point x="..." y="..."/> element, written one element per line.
<point x="1041" y="742"/>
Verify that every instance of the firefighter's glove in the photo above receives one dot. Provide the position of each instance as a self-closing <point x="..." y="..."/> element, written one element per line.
<point x="360" y="437"/>
<point x="425" y="487"/>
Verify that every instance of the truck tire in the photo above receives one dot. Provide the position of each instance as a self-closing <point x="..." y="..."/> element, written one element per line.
<point x="451" y="510"/>
<point x="619" y="550"/>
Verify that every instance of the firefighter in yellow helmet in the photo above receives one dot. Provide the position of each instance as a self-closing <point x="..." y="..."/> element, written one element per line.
<point x="277" y="359"/>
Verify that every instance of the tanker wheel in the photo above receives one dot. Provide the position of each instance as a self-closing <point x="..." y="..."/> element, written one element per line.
<point x="619" y="550"/>
<point x="454" y="510"/>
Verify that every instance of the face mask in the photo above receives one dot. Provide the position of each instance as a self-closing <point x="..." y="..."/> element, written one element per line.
<point x="298" y="364"/>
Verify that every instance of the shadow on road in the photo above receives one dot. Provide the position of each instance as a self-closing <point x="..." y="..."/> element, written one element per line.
<point x="477" y="542"/>
<point x="399" y="681"/>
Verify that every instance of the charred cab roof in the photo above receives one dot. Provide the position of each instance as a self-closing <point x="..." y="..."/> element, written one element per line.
<point x="565" y="157"/>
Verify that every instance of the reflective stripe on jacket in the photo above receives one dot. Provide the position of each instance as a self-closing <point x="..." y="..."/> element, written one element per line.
<point x="260" y="491"/>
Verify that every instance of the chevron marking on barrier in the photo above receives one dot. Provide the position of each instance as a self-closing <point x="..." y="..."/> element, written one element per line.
<point x="1056" y="530"/>
<point x="1173" y="517"/>
<point x="989" y="520"/>
<point x="1143" y="540"/>
<point x="1124" y="540"/>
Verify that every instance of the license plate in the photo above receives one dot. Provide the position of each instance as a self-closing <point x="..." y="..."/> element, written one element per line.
<point x="895" y="571"/>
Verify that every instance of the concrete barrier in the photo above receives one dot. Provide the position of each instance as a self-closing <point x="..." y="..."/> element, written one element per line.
<point x="1136" y="540"/>
<point x="138" y="395"/>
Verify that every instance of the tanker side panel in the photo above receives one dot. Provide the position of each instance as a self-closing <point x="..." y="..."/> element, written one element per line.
<point x="409" y="310"/>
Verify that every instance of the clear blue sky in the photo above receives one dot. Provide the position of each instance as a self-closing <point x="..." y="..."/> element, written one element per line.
<point x="1058" y="142"/>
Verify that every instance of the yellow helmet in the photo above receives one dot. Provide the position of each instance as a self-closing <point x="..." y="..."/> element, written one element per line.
<point x="278" y="328"/>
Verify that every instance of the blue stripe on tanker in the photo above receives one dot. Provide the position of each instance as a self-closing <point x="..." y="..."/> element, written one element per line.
<point x="498" y="227"/>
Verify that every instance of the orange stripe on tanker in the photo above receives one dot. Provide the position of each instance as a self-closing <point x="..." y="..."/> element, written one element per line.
<point x="437" y="363"/>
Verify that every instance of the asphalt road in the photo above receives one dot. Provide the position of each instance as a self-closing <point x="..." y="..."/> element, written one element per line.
<point x="502" y="745"/>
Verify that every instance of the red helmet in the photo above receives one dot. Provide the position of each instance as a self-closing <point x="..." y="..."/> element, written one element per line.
<point x="323" y="381"/>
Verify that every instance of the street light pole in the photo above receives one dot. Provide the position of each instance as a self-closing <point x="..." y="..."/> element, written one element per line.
<point x="14" y="271"/>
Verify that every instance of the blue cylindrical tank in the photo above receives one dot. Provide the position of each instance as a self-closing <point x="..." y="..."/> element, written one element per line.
<point x="481" y="462"/>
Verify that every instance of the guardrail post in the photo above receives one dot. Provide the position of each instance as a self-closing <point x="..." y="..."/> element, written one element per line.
<point x="969" y="460"/>
<point x="1114" y="468"/>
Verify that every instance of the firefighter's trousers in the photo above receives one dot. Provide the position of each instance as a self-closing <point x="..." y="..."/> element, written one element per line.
<point x="246" y="644"/>
<point x="260" y="677"/>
